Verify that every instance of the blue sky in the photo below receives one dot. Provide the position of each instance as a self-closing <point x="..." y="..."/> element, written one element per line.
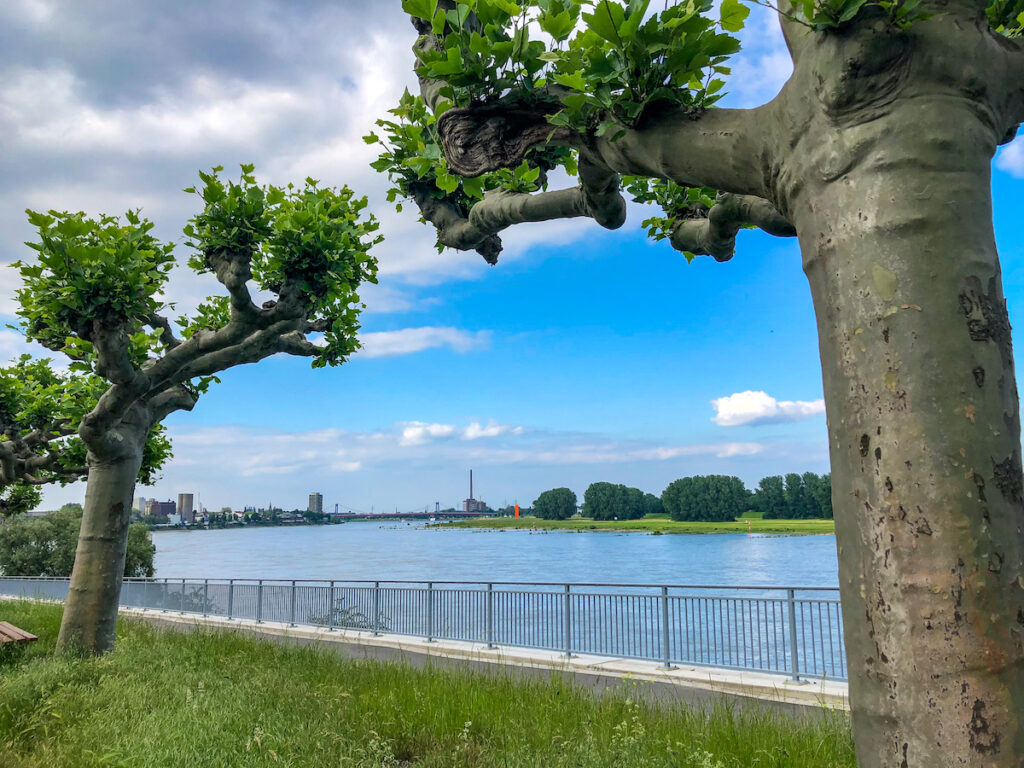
<point x="584" y="355"/>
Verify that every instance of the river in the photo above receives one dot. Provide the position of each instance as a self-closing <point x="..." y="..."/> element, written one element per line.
<point x="397" y="551"/>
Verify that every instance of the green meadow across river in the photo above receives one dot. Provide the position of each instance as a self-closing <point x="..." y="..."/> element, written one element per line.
<point x="651" y="524"/>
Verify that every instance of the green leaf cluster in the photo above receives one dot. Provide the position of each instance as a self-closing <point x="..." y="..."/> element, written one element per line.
<point x="88" y="273"/>
<point x="1006" y="17"/>
<point x="676" y="202"/>
<point x="610" y="60"/>
<point x="37" y="397"/>
<point x="309" y="242"/>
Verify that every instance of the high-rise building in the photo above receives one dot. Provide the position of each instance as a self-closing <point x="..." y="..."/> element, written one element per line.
<point x="185" y="509"/>
<point x="316" y="503"/>
<point x="140" y="504"/>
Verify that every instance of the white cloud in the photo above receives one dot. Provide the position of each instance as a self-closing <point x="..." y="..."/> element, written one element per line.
<point x="417" y="432"/>
<point x="409" y="340"/>
<point x="758" y="407"/>
<point x="475" y="431"/>
<point x="1011" y="158"/>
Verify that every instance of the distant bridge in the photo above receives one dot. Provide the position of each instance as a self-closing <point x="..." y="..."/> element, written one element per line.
<point x="442" y="515"/>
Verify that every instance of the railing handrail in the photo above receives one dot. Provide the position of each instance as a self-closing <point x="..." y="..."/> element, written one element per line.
<point x="436" y="582"/>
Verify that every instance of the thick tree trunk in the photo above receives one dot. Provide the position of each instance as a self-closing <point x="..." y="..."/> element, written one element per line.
<point x="924" y="433"/>
<point x="90" y="611"/>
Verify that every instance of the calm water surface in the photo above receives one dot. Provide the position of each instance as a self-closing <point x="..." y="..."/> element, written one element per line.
<point x="396" y="551"/>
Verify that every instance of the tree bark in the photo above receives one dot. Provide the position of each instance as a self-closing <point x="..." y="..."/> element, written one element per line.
<point x="895" y="225"/>
<point x="90" y="611"/>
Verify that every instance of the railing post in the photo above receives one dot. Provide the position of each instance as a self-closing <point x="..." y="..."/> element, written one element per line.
<point x="376" y="608"/>
<point x="163" y="601"/>
<point x="430" y="611"/>
<point x="181" y="603"/>
<point x="206" y="596"/>
<point x="794" y="656"/>
<point x="330" y="608"/>
<point x="666" y="654"/>
<point x="567" y="612"/>
<point x="259" y="601"/>
<point x="231" y="597"/>
<point x="291" y="611"/>
<point x="490" y="615"/>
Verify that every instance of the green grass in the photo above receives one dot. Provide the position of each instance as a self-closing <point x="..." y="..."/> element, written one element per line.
<point x="218" y="699"/>
<point x="656" y="524"/>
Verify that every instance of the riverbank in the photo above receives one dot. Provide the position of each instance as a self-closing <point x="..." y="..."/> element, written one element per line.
<point x="655" y="525"/>
<point x="260" y="704"/>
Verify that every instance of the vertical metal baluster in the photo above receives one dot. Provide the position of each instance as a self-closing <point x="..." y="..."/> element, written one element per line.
<point x="291" y="609"/>
<point x="666" y="654"/>
<point x="376" y="608"/>
<point x="330" y="607"/>
<point x="206" y="596"/>
<point x="181" y="605"/>
<point x="231" y="597"/>
<point x="490" y="615"/>
<point x="567" y="611"/>
<point x="430" y="611"/>
<point x="793" y="654"/>
<point x="259" y="601"/>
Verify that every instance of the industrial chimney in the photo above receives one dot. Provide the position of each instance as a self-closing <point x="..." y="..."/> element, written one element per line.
<point x="471" y="484"/>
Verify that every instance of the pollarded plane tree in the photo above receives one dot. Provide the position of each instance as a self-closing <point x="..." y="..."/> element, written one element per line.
<point x="93" y="292"/>
<point x="877" y="155"/>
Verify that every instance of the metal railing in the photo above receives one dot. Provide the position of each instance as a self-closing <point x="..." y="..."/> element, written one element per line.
<point x="795" y="631"/>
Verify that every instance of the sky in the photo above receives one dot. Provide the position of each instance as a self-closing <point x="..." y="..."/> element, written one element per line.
<point x="583" y="356"/>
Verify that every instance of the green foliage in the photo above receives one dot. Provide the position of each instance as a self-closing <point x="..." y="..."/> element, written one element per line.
<point x="45" y="546"/>
<point x="611" y="60"/>
<point x="706" y="497"/>
<point x="555" y="504"/>
<point x="411" y="156"/>
<point x="798" y="497"/>
<point x="1006" y="17"/>
<point x="18" y="498"/>
<point x="609" y="501"/>
<point x="312" y="241"/>
<point x="207" y="699"/>
<point x="90" y="273"/>
<point x="676" y="202"/>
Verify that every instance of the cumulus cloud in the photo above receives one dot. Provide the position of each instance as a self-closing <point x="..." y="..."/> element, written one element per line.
<point x="756" y="407"/>
<point x="406" y="341"/>
<point x="1011" y="158"/>
<point x="417" y="432"/>
<point x="475" y="430"/>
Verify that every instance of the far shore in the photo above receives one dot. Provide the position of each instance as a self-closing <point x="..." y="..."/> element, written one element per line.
<point x="653" y="525"/>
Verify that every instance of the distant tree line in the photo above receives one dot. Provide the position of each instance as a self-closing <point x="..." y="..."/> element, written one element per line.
<point x="710" y="498"/>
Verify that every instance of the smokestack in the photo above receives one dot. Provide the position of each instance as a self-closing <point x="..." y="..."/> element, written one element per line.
<point x="471" y="483"/>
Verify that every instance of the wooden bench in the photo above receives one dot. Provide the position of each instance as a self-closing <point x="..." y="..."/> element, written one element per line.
<point x="11" y="634"/>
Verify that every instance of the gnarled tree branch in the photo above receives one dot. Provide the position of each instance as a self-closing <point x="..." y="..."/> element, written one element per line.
<point x="720" y="148"/>
<point x="716" y="235"/>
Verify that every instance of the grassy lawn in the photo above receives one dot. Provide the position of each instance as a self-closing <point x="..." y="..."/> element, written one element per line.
<point x="653" y="524"/>
<point x="217" y="699"/>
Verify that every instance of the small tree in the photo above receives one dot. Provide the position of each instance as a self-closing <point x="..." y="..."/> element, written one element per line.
<point x="555" y="504"/>
<point x="715" y="498"/>
<point x="45" y="546"/>
<point x="94" y="294"/>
